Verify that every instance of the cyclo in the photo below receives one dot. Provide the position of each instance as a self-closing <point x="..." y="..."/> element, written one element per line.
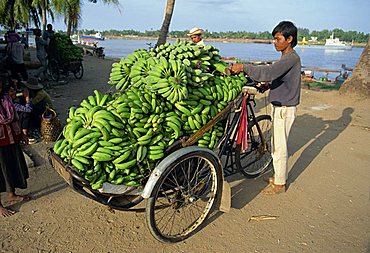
<point x="187" y="184"/>
<point x="58" y="63"/>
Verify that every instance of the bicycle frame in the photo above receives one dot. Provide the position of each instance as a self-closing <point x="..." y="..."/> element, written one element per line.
<point x="227" y="141"/>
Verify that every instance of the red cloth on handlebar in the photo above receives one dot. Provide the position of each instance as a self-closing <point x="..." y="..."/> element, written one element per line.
<point x="242" y="137"/>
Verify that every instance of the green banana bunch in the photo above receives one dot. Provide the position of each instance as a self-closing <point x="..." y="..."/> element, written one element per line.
<point x="163" y="94"/>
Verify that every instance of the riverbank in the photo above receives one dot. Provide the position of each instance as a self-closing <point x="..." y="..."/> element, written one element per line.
<point x="326" y="207"/>
<point x="223" y="40"/>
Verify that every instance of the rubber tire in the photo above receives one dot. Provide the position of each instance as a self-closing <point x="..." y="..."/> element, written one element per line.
<point x="78" y="74"/>
<point x="150" y="207"/>
<point x="254" y="168"/>
<point x="53" y="69"/>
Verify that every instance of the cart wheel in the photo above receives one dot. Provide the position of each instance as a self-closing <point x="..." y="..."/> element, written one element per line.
<point x="256" y="159"/>
<point x="79" y="72"/>
<point x="53" y="70"/>
<point x="184" y="196"/>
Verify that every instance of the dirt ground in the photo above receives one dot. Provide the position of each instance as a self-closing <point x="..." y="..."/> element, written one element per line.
<point x="326" y="207"/>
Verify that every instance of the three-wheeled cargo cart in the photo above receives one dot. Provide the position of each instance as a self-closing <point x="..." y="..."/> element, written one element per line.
<point x="187" y="184"/>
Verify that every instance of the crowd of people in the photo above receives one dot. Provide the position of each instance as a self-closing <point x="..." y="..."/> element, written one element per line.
<point x="23" y="100"/>
<point x="28" y="94"/>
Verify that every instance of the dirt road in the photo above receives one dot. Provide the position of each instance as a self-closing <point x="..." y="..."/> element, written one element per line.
<point x="326" y="208"/>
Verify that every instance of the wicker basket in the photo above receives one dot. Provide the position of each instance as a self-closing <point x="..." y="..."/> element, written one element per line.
<point x="50" y="125"/>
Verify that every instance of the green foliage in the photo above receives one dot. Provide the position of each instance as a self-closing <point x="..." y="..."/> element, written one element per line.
<point x="62" y="48"/>
<point x="358" y="37"/>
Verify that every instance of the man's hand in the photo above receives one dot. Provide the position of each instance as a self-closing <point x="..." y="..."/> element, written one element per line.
<point x="264" y="86"/>
<point x="236" y="68"/>
<point x="26" y="94"/>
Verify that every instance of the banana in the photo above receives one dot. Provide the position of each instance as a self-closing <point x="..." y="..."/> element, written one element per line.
<point x="101" y="157"/>
<point x="123" y="157"/>
<point x="92" y="100"/>
<point x="155" y="156"/>
<point x="104" y="143"/>
<point x="191" y="123"/>
<point x="98" y="96"/>
<point x="71" y="112"/>
<point x="126" y="165"/>
<point x="82" y="159"/>
<point x="141" y="153"/>
<point x="197" y="109"/>
<point x="175" y="128"/>
<point x="91" y="112"/>
<point x="80" y="142"/>
<point x="118" y="133"/>
<point x="183" y="109"/>
<point x="116" y="140"/>
<point x="78" y="165"/>
<point x="205" y="102"/>
<point x="60" y="149"/>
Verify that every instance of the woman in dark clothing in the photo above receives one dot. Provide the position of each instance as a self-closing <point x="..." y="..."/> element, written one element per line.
<point x="13" y="167"/>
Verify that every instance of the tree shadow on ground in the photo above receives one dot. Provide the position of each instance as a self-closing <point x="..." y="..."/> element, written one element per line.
<point x="310" y="131"/>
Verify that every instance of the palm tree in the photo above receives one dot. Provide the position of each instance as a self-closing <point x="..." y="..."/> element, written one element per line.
<point x="17" y="13"/>
<point x="44" y="8"/>
<point x="170" y="5"/>
<point x="71" y="10"/>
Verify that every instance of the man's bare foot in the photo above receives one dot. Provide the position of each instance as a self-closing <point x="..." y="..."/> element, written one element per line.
<point x="6" y="212"/>
<point x="12" y="197"/>
<point x="273" y="189"/>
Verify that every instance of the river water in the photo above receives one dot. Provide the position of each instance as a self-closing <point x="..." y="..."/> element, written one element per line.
<point x="310" y="57"/>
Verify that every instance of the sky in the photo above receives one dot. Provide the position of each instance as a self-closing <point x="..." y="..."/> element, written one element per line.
<point x="231" y="15"/>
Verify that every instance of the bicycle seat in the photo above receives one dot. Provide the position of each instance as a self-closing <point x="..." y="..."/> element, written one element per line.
<point x="250" y="90"/>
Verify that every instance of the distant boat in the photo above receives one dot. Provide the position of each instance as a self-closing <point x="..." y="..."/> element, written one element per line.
<point x="335" y="43"/>
<point x="96" y="36"/>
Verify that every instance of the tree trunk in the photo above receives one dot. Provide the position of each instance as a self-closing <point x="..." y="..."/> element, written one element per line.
<point x="43" y="14"/>
<point x="170" y="5"/>
<point x="69" y="27"/>
<point x="358" y="83"/>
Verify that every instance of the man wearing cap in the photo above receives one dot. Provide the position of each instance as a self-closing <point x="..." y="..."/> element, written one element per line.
<point x="195" y="35"/>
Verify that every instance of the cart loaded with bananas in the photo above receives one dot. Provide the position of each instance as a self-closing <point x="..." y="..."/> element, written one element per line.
<point x="121" y="143"/>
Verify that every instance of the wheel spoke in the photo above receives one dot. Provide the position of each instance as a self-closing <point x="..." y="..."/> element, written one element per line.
<point x="184" y="197"/>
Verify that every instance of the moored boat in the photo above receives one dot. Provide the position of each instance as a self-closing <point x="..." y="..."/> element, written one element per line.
<point x="96" y="36"/>
<point x="335" y="43"/>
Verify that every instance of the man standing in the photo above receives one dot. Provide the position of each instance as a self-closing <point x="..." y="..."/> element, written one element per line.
<point x="195" y="35"/>
<point x="284" y="96"/>
<point x="41" y="53"/>
<point x="15" y="52"/>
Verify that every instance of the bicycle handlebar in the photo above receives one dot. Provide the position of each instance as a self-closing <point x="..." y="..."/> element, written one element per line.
<point x="256" y="85"/>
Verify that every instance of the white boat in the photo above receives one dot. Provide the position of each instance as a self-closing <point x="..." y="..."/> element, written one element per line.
<point x="335" y="43"/>
<point x="96" y="36"/>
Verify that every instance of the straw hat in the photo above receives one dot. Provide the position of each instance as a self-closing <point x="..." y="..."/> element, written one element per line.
<point x="33" y="84"/>
<point x="195" y="31"/>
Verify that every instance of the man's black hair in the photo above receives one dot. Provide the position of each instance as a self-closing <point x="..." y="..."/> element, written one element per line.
<point x="287" y="28"/>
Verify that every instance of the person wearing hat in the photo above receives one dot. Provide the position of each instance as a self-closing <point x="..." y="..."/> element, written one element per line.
<point x="13" y="166"/>
<point x="195" y="35"/>
<point x="40" y="100"/>
<point x="15" y="52"/>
